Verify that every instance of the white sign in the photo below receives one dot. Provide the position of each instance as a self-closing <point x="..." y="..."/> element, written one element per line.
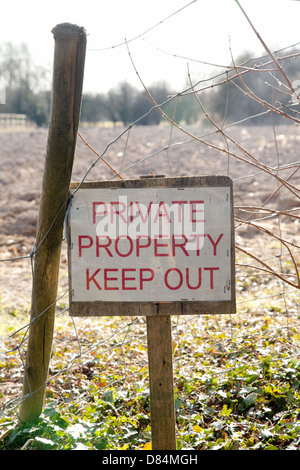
<point x="151" y="244"/>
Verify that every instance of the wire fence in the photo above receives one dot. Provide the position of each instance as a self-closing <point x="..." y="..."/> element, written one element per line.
<point x="262" y="160"/>
<point x="12" y="121"/>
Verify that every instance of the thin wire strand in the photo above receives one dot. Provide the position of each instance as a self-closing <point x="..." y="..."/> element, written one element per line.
<point x="147" y="30"/>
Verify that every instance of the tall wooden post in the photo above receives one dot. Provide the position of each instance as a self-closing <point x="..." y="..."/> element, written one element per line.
<point x="160" y="359"/>
<point x="68" y="71"/>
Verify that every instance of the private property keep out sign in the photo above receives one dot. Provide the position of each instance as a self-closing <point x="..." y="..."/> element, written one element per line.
<point x="156" y="240"/>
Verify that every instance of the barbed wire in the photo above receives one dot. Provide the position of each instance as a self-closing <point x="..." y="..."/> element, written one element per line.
<point x="248" y="216"/>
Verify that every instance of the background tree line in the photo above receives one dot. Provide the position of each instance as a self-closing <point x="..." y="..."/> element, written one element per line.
<point x="233" y="102"/>
<point x="26" y="85"/>
<point x="28" y="92"/>
<point x="126" y="104"/>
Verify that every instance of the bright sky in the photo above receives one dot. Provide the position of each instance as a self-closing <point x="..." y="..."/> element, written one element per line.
<point x="201" y="31"/>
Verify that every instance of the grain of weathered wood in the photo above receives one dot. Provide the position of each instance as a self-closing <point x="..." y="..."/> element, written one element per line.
<point x="96" y="309"/>
<point x="169" y="182"/>
<point x="162" y="406"/>
<point x="68" y="70"/>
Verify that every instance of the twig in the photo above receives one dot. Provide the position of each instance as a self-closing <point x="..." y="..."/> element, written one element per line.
<point x="252" y="162"/>
<point x="276" y="63"/>
<point x="99" y="156"/>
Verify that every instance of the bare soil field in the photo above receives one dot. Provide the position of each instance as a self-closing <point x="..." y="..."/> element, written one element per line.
<point x="141" y="151"/>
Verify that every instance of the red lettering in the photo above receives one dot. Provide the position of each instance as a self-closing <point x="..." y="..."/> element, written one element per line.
<point x="98" y="246"/>
<point x="131" y="211"/>
<point x="96" y="213"/>
<point x="107" y="279"/>
<point x="90" y="279"/>
<point x="124" y="279"/>
<point x="211" y="275"/>
<point x="139" y="245"/>
<point x="188" y="279"/>
<point x="215" y="244"/>
<point x="130" y="246"/>
<point x="179" y="245"/>
<point x="197" y="236"/>
<point x="180" y="279"/>
<point x="179" y="208"/>
<point x="159" y="214"/>
<point x="160" y="245"/>
<point x="81" y="246"/>
<point x="147" y="212"/>
<point x="117" y="212"/>
<point x="145" y="279"/>
<point x="195" y="211"/>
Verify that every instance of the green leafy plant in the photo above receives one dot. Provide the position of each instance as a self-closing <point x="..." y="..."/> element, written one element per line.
<point x="236" y="383"/>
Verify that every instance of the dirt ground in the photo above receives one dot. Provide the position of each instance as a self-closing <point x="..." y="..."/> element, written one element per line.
<point x="139" y="152"/>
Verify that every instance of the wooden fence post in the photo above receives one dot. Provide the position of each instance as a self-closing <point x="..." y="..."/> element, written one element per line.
<point x="68" y="71"/>
<point x="162" y="406"/>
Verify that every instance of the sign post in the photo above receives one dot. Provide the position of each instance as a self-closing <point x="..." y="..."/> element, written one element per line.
<point x="160" y="355"/>
<point x="154" y="247"/>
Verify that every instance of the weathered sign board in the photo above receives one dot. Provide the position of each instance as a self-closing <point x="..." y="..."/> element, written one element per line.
<point x="155" y="247"/>
<point x="152" y="246"/>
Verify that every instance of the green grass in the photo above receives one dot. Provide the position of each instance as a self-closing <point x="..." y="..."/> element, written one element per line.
<point x="236" y="384"/>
